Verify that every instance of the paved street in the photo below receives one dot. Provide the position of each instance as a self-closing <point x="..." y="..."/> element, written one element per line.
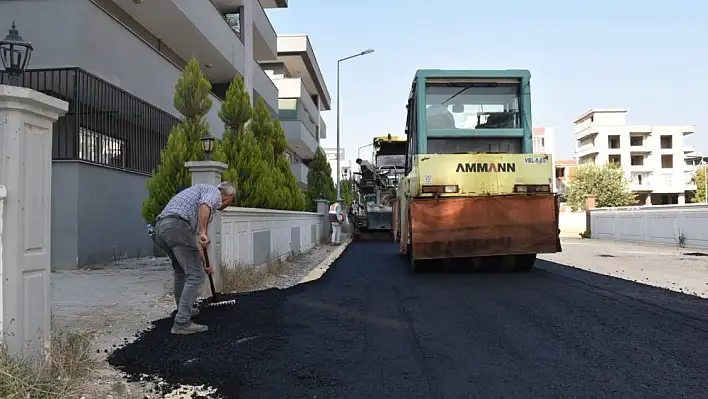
<point x="368" y="329"/>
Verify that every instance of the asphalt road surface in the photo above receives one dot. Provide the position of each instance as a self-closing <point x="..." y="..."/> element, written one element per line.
<point x="368" y="329"/>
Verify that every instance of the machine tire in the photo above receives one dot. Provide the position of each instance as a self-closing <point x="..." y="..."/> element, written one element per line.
<point x="412" y="263"/>
<point x="524" y="263"/>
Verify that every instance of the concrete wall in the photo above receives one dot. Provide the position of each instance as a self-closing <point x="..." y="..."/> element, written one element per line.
<point x="658" y="224"/>
<point x="87" y="37"/>
<point x="572" y="223"/>
<point x="251" y="236"/>
<point x="96" y="215"/>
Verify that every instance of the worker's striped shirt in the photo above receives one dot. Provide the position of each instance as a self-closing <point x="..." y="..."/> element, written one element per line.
<point x="186" y="203"/>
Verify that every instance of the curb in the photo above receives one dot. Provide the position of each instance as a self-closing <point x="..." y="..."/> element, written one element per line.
<point x="322" y="268"/>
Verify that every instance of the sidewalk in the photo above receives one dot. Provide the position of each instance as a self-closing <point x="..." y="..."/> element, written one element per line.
<point x="678" y="269"/>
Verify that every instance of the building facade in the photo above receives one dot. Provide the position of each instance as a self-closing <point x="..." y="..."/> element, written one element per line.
<point x="544" y="142"/>
<point x="652" y="156"/>
<point x="117" y="62"/>
<point x="302" y="97"/>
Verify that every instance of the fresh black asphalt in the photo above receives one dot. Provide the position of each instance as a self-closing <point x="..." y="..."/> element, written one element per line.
<point x="368" y="329"/>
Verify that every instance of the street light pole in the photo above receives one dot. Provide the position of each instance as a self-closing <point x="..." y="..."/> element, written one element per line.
<point x="705" y="180"/>
<point x="339" y="62"/>
<point x="358" y="152"/>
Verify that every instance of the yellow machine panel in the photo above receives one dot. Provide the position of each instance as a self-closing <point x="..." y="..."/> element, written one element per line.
<point x="479" y="174"/>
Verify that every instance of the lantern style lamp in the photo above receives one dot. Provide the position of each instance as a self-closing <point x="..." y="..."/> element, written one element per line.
<point x="15" y="54"/>
<point x="208" y="145"/>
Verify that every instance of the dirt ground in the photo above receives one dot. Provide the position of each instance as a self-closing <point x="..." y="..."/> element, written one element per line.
<point x="116" y="301"/>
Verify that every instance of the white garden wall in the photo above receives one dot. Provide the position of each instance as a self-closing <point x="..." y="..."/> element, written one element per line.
<point x="251" y="236"/>
<point x="656" y="224"/>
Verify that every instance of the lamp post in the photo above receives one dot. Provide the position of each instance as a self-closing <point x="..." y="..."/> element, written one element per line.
<point x="339" y="62"/>
<point x="705" y="180"/>
<point x="358" y="152"/>
<point x="15" y="54"/>
<point x="207" y="142"/>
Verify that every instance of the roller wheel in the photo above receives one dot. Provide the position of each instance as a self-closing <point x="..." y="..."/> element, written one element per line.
<point x="524" y="263"/>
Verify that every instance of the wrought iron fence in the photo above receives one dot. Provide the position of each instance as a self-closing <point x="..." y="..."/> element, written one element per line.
<point x="105" y="125"/>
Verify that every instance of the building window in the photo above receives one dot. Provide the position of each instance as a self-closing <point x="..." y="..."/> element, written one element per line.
<point x="666" y="142"/>
<point x="616" y="159"/>
<point x="586" y="141"/>
<point x="636" y="141"/>
<point x="637" y="160"/>
<point x="667" y="161"/>
<point x="104" y="124"/>
<point x="99" y="148"/>
<point x="613" y="142"/>
<point x="235" y="21"/>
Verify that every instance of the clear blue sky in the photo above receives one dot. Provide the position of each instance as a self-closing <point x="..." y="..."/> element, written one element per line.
<point x="648" y="56"/>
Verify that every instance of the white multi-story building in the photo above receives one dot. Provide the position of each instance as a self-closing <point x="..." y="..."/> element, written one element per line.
<point x="544" y="142"/>
<point x="652" y="156"/>
<point x="302" y="96"/>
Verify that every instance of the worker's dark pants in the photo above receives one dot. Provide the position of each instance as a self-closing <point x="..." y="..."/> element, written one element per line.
<point x="178" y="240"/>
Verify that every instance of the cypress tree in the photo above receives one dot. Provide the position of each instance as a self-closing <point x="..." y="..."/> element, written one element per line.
<point x="192" y="100"/>
<point x="293" y="193"/>
<point x="240" y="149"/>
<point x="319" y="180"/>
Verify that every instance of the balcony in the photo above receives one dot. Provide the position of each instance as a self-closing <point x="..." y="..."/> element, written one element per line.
<point x="295" y="88"/>
<point x="265" y="40"/>
<point x="300" y="171"/>
<point x="640" y="182"/>
<point x="299" y="128"/>
<point x="264" y="87"/>
<point x="585" y="150"/>
<point x="202" y="32"/>
<point x="587" y="132"/>
<point x="323" y="130"/>
<point x="665" y="182"/>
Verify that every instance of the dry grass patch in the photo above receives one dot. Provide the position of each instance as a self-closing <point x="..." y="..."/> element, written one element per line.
<point x="242" y="277"/>
<point x="69" y="366"/>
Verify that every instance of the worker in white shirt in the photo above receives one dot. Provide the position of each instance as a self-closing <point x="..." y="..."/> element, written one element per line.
<point x="336" y="218"/>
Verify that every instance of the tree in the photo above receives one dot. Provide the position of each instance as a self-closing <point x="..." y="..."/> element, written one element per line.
<point x="239" y="148"/>
<point x="348" y="192"/>
<point x="255" y="154"/>
<point x="192" y="100"/>
<point x="294" y="194"/>
<point x="606" y="182"/>
<point x="700" y="179"/>
<point x="319" y="180"/>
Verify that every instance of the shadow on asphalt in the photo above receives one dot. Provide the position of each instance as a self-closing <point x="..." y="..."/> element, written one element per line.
<point x="361" y="329"/>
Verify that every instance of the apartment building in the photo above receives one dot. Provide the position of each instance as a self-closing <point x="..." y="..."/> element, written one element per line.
<point x="544" y="142"/>
<point x="653" y="156"/>
<point x="302" y="97"/>
<point x="116" y="62"/>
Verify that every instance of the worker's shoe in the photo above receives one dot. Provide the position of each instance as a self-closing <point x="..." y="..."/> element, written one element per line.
<point x="189" y="328"/>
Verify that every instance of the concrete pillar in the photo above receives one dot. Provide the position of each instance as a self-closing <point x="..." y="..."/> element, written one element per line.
<point x="323" y="209"/>
<point x="682" y="199"/>
<point x="210" y="172"/>
<point x="590" y="201"/>
<point x="647" y="200"/>
<point x="247" y="33"/>
<point x="26" y="121"/>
